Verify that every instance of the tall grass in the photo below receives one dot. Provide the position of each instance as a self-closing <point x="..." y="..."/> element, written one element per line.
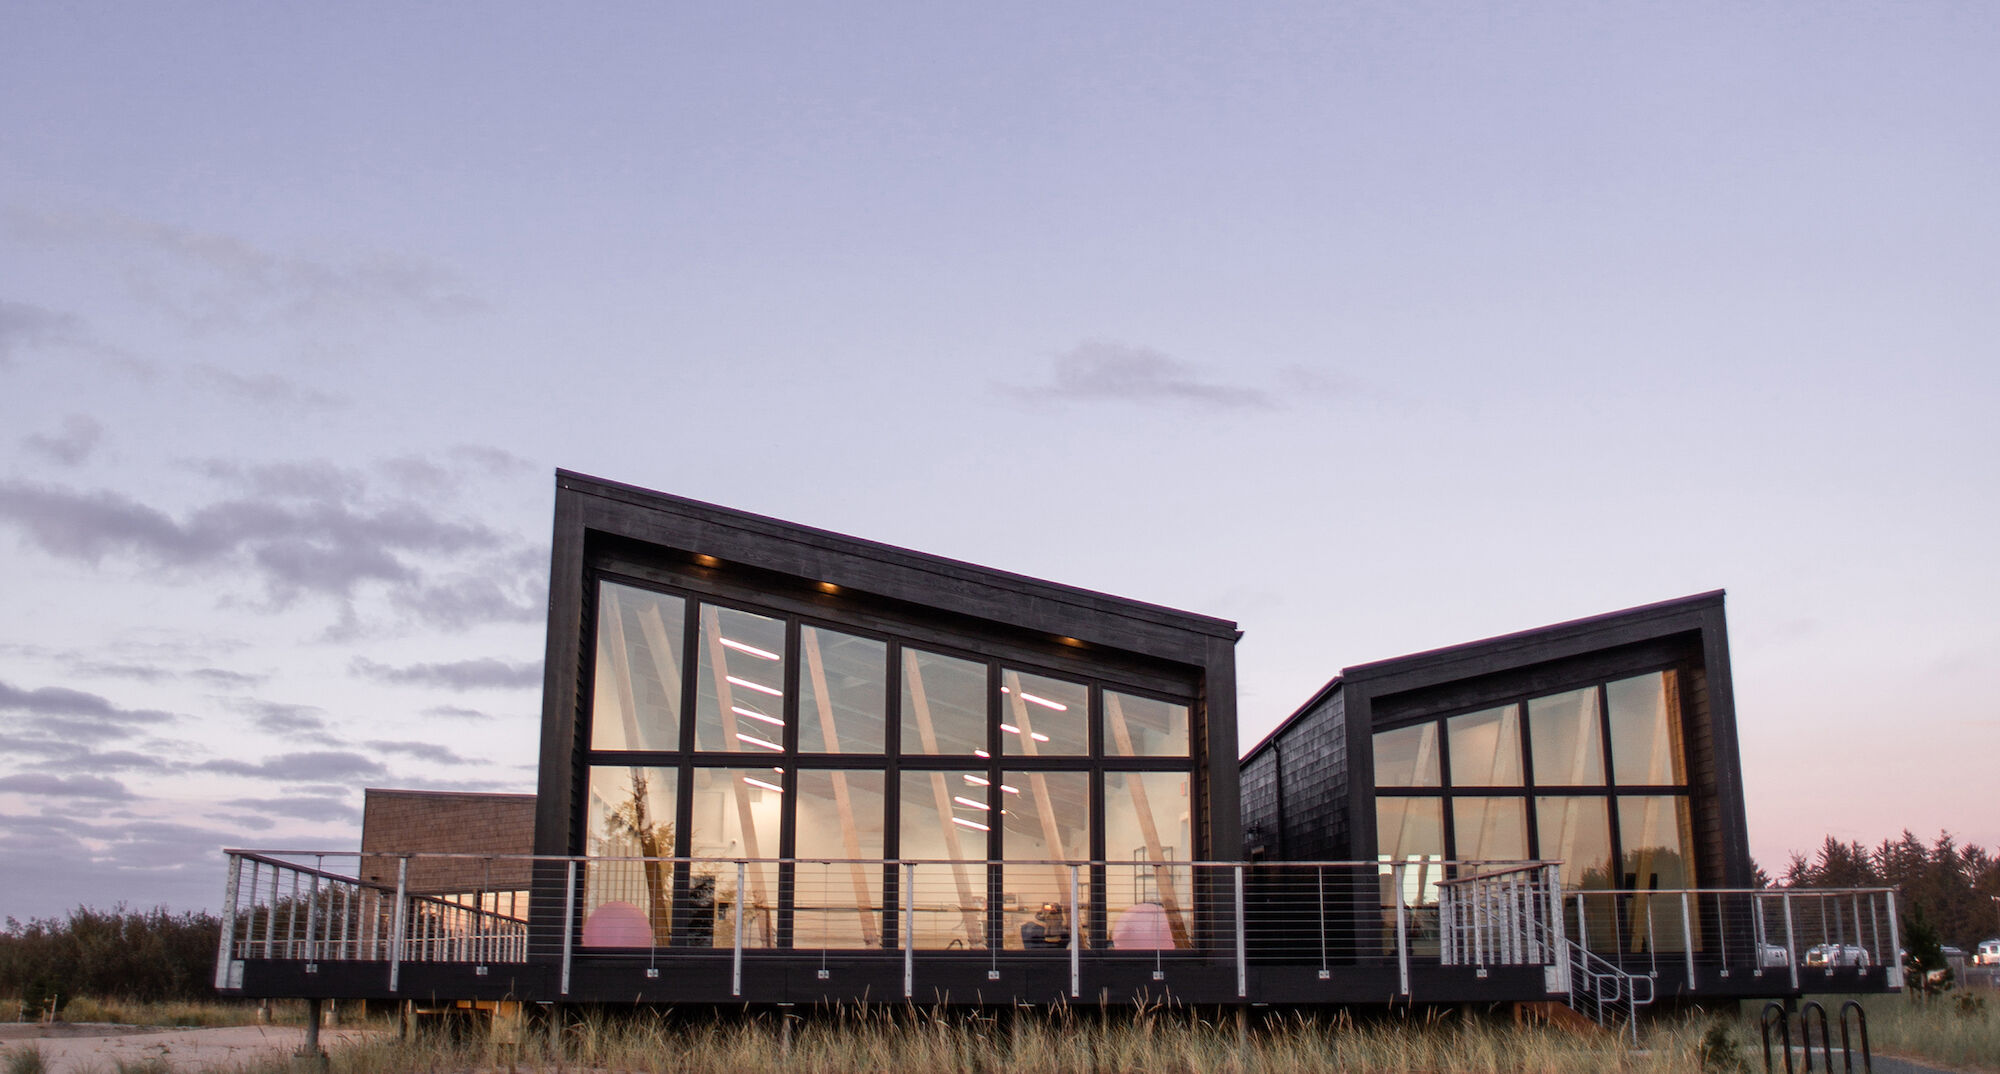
<point x="1959" y="1029"/>
<point x="1062" y="1042"/>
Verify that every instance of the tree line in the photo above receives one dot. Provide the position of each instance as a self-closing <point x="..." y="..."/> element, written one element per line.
<point x="148" y="955"/>
<point x="1950" y="888"/>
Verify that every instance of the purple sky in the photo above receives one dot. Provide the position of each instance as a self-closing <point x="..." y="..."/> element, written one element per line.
<point x="1373" y="328"/>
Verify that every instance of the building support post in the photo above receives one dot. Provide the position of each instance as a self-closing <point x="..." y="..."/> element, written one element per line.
<point x="310" y="1056"/>
<point x="909" y="929"/>
<point x="1895" y="944"/>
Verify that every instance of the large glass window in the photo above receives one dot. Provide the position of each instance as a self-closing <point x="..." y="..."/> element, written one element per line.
<point x="737" y="813"/>
<point x="1144" y="727"/>
<point x="740" y="699"/>
<point x="945" y="820"/>
<point x="1645" y="730"/>
<point x="1407" y="756"/>
<point x="977" y="763"/>
<point x="1148" y="837"/>
<point x="1486" y="748"/>
<point x="838" y="904"/>
<point x="1491" y="829"/>
<point x="1043" y="717"/>
<point x="1048" y="821"/>
<point x="637" y="691"/>
<point x="1576" y="830"/>
<point x="944" y="704"/>
<point x="1410" y="832"/>
<point x="630" y="815"/>
<point x="843" y="693"/>
<point x="1600" y="787"/>
<point x="1567" y="740"/>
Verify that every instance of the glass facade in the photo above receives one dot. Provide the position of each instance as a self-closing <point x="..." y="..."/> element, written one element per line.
<point x="1593" y="777"/>
<point x="1029" y="805"/>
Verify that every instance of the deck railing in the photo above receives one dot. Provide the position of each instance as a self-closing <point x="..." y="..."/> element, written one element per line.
<point x="316" y="907"/>
<point x="305" y="906"/>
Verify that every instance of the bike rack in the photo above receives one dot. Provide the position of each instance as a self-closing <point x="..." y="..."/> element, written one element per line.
<point x="1847" y="1047"/>
<point x="1825" y="1034"/>
<point x="1775" y="1013"/>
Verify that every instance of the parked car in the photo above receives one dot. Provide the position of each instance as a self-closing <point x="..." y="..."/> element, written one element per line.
<point x="1840" y="955"/>
<point x="1988" y="953"/>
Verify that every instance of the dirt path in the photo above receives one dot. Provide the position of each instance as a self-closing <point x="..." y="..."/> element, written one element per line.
<point x="76" y="1049"/>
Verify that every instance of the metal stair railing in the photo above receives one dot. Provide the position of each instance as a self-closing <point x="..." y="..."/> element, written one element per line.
<point x="1599" y="988"/>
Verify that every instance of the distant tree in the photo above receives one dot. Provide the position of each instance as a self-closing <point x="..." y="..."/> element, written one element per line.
<point x="116" y="954"/>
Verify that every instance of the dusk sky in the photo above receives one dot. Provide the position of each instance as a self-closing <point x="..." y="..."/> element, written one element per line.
<point x="1373" y="328"/>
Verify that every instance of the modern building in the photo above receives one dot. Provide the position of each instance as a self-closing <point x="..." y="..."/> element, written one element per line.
<point x="783" y="765"/>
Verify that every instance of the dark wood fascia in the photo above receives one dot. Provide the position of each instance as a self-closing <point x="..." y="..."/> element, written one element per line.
<point x="1539" y="646"/>
<point x="887" y="571"/>
<point x="561" y="676"/>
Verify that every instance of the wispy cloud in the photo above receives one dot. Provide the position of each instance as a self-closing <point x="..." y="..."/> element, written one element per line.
<point x="304" y="722"/>
<point x="267" y="390"/>
<point x="453" y="675"/>
<point x="24" y="325"/>
<point x="70" y="445"/>
<point x="306" y="765"/>
<point x="1100" y="370"/>
<point x="456" y="712"/>
<point x="301" y="807"/>
<point x="422" y="751"/>
<point x="50" y="785"/>
<point x="299" y="529"/>
<point x="59" y="709"/>
<point x="214" y="280"/>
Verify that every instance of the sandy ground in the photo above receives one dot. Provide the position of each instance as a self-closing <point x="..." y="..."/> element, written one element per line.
<point x="82" y="1049"/>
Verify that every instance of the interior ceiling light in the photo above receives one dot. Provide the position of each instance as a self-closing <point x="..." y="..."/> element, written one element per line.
<point x="1010" y="729"/>
<point x="755" y="782"/>
<point x="757" y="686"/>
<point x="969" y="803"/>
<point x="1038" y="736"/>
<point x="973" y="824"/>
<point x="981" y="753"/>
<point x="1044" y="702"/>
<point x="1010" y="790"/>
<point x="755" y="741"/>
<point x="978" y="781"/>
<point x="755" y="715"/>
<point x="761" y="654"/>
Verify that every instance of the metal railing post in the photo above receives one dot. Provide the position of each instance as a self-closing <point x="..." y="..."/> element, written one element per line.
<point x="1687" y="938"/>
<point x="312" y="915"/>
<point x="736" y="958"/>
<point x="1558" y="931"/>
<point x="1791" y="941"/>
<point x="1242" y="950"/>
<point x="1402" y="931"/>
<point x="569" y="920"/>
<point x="397" y="925"/>
<point x="225" y="947"/>
<point x="271" y="916"/>
<point x="909" y="929"/>
<point x="1075" y="940"/>
<point x="1895" y="943"/>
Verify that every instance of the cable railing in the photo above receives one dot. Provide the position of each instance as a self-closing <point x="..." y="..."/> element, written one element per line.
<point x="1698" y="939"/>
<point x="1141" y="919"/>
